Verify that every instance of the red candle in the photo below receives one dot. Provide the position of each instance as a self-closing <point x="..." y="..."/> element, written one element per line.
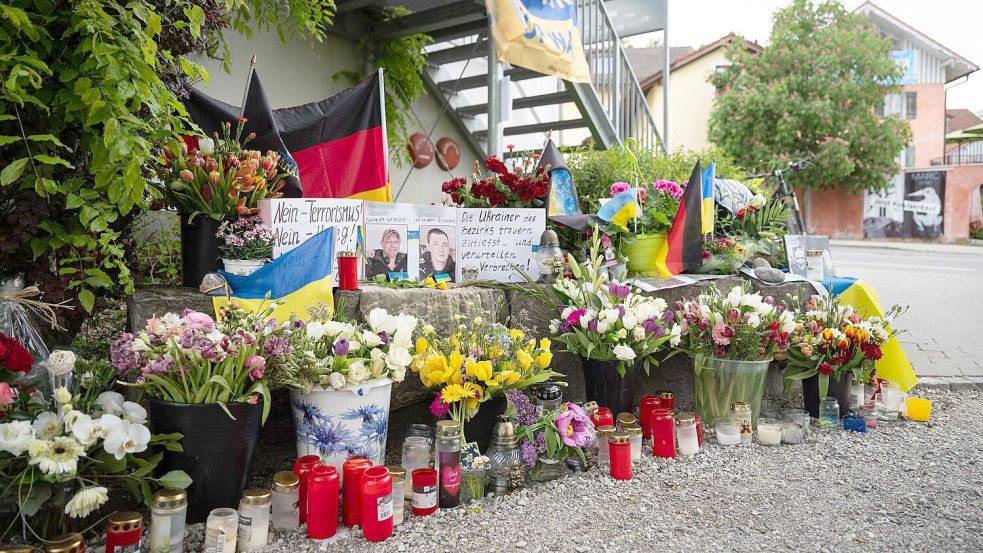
<point x="699" y="430"/>
<point x="663" y="433"/>
<point x="424" y="492"/>
<point x="353" y="469"/>
<point x="377" y="503"/>
<point x="123" y="531"/>
<point x="347" y="270"/>
<point x="602" y="416"/>
<point x="620" y="451"/>
<point x="302" y="468"/>
<point x="645" y="407"/>
<point x="322" y="509"/>
<point x="668" y="400"/>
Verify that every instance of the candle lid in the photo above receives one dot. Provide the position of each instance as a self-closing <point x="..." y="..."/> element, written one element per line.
<point x="618" y="437"/>
<point x="17" y="548"/>
<point x="666" y="394"/>
<point x="626" y="418"/>
<point x="125" y="521"/>
<point x="286" y="481"/>
<point x="814" y="253"/>
<point x="605" y="429"/>
<point x="740" y="406"/>
<point x="396" y="471"/>
<point x="69" y="543"/>
<point x="548" y="392"/>
<point x="346" y="253"/>
<point x="633" y="431"/>
<point x="172" y="499"/>
<point x="256" y="496"/>
<point x="686" y="418"/>
<point x="590" y="407"/>
<point x="449" y="429"/>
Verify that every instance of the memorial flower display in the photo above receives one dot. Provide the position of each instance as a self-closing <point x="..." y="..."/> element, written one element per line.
<point x="524" y="184"/>
<point x="217" y="176"/>
<point x="554" y="435"/>
<point x="245" y="238"/>
<point x="478" y="362"/>
<point x="834" y="340"/>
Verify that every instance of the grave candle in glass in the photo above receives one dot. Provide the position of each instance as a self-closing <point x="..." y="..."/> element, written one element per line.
<point x="254" y="519"/>
<point x="740" y="412"/>
<point x="602" y="416"/>
<point x="792" y="433"/>
<point x="449" y="463"/>
<point x="424" y="491"/>
<point x="302" y="468"/>
<point x="645" y="407"/>
<point x="769" y="431"/>
<point x="855" y="423"/>
<point x="728" y="432"/>
<point x="353" y="469"/>
<point x="220" y="530"/>
<point x="829" y="413"/>
<point x="856" y="394"/>
<point x="377" y="504"/>
<point x="635" y="439"/>
<point x="620" y="455"/>
<point x="322" y="516"/>
<point x="603" y="451"/>
<point x="798" y="416"/>
<point x="663" y="433"/>
<point x="416" y="455"/>
<point x="67" y="543"/>
<point x="689" y="443"/>
<point x="167" y="518"/>
<point x="919" y="409"/>
<point x="625" y="419"/>
<point x="668" y="400"/>
<point x="548" y="397"/>
<point x="347" y="270"/>
<point x="123" y="532"/>
<point x="699" y="430"/>
<point x="286" y="500"/>
<point x="399" y="492"/>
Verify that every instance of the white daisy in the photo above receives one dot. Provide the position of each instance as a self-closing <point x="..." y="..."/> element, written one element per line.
<point x="86" y="501"/>
<point x="57" y="456"/>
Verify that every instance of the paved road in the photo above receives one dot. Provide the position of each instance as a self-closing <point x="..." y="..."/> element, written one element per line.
<point x="945" y="295"/>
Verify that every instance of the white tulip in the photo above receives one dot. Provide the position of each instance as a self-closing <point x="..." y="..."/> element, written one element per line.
<point x="602" y="327"/>
<point x="371" y="339"/>
<point x="610" y="316"/>
<point x="403" y="335"/>
<point x="753" y="320"/>
<point x="314" y="330"/>
<point x="623" y="352"/>
<point x="381" y="321"/>
<point x="629" y="321"/>
<point x="47" y="426"/>
<point x="787" y="319"/>
<point x="398" y="358"/>
<point x="336" y="380"/>
<point x="16" y="437"/>
<point x="675" y="335"/>
<point x="206" y="146"/>
<point x="126" y="438"/>
<point x="733" y="298"/>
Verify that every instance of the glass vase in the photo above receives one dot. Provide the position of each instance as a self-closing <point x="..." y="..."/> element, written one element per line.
<point x="472" y="483"/>
<point x="721" y="382"/>
<point x="548" y="469"/>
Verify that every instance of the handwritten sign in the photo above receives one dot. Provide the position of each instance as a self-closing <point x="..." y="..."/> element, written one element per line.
<point x="498" y="241"/>
<point x="294" y="220"/>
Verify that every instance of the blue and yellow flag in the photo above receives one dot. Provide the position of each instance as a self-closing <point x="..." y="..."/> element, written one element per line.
<point x="300" y="280"/>
<point x="894" y="365"/>
<point x="541" y="36"/>
<point x="621" y="208"/>
<point x="708" y="206"/>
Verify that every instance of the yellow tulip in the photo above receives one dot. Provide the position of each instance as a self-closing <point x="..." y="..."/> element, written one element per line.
<point x="545" y="343"/>
<point x="456" y="361"/>
<point x="530" y="345"/>
<point x="495" y="352"/>
<point x="544" y="359"/>
<point x="483" y="370"/>
<point x="508" y="378"/>
<point x="454" y="377"/>
<point x="524" y="359"/>
<point x="506" y="366"/>
<point x="517" y="334"/>
<point x="422" y="345"/>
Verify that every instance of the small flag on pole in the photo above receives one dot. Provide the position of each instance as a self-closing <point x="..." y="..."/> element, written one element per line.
<point x="683" y="248"/>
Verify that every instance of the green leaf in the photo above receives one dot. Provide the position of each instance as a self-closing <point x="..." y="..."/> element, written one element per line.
<point x="73" y="201"/>
<point x="13" y="171"/>
<point x="87" y="299"/>
<point x="40" y="493"/>
<point x="176" y="479"/>
<point x="53" y="160"/>
<point x="109" y="463"/>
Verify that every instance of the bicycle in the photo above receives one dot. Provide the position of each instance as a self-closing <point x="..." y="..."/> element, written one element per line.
<point x="785" y="192"/>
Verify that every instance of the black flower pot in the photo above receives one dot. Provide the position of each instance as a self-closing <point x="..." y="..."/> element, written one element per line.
<point x="840" y="390"/>
<point x="607" y="387"/>
<point x="218" y="450"/>
<point x="199" y="249"/>
<point x="479" y="429"/>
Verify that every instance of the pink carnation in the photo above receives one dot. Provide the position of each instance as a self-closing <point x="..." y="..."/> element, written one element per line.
<point x="722" y="334"/>
<point x="618" y="188"/>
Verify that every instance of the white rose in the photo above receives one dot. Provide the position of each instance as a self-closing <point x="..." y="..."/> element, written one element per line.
<point x="623" y="352"/>
<point x="629" y="321"/>
<point x="660" y="304"/>
<point x="757" y="201"/>
<point x="171" y="320"/>
<point x="336" y="380"/>
<point x="371" y="339"/>
<point x="675" y="335"/>
<point x="62" y="395"/>
<point x="16" y="436"/>
<point x="314" y="330"/>
<point x="638" y="333"/>
<point x="357" y="372"/>
<point x="378" y="363"/>
<point x="753" y="320"/>
<point x="47" y="426"/>
<point x="206" y="146"/>
<point x="398" y="357"/>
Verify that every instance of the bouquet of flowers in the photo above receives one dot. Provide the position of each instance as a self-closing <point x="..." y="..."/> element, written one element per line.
<point x="607" y="320"/>
<point x="738" y="326"/>
<point x="723" y="256"/>
<point x="59" y="456"/>
<point x="658" y="202"/>
<point x="333" y="354"/>
<point x="523" y="185"/>
<point x="191" y="358"/>
<point x="835" y="340"/>
<point x="552" y="434"/>
<point x="245" y="238"/>
<point x="218" y="177"/>
<point x="478" y="362"/>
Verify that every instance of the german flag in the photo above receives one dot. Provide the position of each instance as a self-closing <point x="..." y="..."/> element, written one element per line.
<point x="683" y="248"/>
<point x="338" y="144"/>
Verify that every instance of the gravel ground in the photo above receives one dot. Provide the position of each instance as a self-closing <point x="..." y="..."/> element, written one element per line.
<point x="902" y="487"/>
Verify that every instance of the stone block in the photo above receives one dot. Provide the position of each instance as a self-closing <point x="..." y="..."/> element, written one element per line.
<point x="934" y="382"/>
<point x="149" y="302"/>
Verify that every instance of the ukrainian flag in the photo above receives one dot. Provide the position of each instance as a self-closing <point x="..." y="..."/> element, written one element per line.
<point x="621" y="208"/>
<point x="298" y="280"/>
<point x="708" y="206"/>
<point x="893" y="365"/>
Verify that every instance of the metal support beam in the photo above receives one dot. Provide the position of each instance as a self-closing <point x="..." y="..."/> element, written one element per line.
<point x="494" y="137"/>
<point x="459" y="13"/>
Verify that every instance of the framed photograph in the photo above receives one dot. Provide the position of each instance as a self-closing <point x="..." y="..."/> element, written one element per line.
<point x="796" y="246"/>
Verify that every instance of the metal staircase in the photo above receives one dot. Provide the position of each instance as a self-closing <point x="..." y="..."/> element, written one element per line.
<point x="609" y="109"/>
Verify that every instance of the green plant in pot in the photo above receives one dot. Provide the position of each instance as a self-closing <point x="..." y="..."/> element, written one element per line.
<point x="205" y="379"/>
<point x="732" y="337"/>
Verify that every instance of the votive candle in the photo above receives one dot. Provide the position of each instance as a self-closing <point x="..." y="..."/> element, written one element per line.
<point x="792" y="433"/>
<point x="728" y="432"/>
<point x="322" y="516"/>
<point x="663" y="433"/>
<point x="347" y="270"/>
<point x="302" y="468"/>
<point x="620" y="455"/>
<point x="769" y="431"/>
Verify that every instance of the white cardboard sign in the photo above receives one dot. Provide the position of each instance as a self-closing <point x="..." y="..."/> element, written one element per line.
<point x="498" y="241"/>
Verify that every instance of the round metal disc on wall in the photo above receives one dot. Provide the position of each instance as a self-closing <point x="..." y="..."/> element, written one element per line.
<point x="421" y="150"/>
<point x="450" y="153"/>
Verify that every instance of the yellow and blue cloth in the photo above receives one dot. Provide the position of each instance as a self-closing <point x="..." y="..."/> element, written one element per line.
<point x="621" y="208"/>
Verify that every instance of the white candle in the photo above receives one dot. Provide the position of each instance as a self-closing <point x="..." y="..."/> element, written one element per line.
<point x="769" y="432"/>
<point x="688" y="441"/>
<point x="728" y="433"/>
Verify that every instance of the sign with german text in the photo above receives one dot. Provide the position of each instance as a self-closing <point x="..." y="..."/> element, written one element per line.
<point x="499" y="242"/>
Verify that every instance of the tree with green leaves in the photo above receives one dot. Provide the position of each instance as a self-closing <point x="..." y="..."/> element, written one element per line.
<point x="813" y="91"/>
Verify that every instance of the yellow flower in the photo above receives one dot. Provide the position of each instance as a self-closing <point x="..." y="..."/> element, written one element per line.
<point x="452" y="393"/>
<point x="544" y="359"/>
<point x="524" y="359"/>
<point x="422" y="345"/>
<point x="544" y="343"/>
<point x="427" y="329"/>
<point x="473" y="394"/>
<point x="508" y="378"/>
<point x="506" y="366"/>
<point x="517" y="334"/>
<point x="495" y="352"/>
<point x="456" y="361"/>
<point x="530" y="345"/>
<point x="435" y="371"/>
<point x="483" y="371"/>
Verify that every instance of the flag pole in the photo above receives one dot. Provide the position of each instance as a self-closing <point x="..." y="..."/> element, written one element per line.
<point x="249" y="80"/>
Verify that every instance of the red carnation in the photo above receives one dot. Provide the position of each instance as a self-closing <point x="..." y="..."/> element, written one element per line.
<point x="17" y="358"/>
<point x="527" y="194"/>
<point x="495" y="165"/>
<point x="825" y="368"/>
<point x="496" y="198"/>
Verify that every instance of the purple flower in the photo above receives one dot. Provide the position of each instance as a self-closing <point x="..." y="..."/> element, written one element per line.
<point x="256" y="365"/>
<point x="525" y="411"/>
<point x="198" y="321"/>
<point x="667" y="316"/>
<point x="157" y="366"/>
<point x="341" y="347"/>
<point x="384" y="337"/>
<point x="592" y="325"/>
<point x="529" y="454"/>
<point x="541" y="442"/>
<point x="575" y="427"/>
<point x="565" y="327"/>
<point x="619" y="187"/>
<point x="277" y="345"/>
<point x="621" y="310"/>
<point x="122" y="356"/>
<point x="575" y="315"/>
<point x="619" y="291"/>
<point x="438" y="407"/>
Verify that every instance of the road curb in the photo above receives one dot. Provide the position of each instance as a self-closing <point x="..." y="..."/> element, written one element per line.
<point x="974" y="248"/>
<point x="953" y="383"/>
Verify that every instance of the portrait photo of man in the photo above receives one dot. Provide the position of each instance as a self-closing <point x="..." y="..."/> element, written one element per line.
<point x="436" y="252"/>
<point x="390" y="257"/>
